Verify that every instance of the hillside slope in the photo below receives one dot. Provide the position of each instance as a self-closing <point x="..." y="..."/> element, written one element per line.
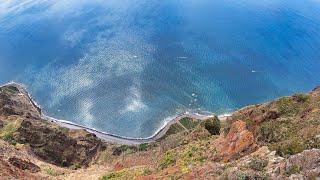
<point x="274" y="140"/>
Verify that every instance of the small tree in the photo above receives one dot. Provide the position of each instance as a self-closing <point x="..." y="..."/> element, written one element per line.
<point x="212" y="125"/>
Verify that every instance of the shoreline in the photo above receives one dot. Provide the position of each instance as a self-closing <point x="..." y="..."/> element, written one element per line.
<point x="113" y="138"/>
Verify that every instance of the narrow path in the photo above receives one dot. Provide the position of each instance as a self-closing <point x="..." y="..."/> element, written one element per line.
<point x="108" y="137"/>
<point x="182" y="126"/>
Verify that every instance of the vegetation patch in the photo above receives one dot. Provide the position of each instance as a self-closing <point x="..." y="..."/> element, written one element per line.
<point x="257" y="163"/>
<point x="290" y="147"/>
<point x="292" y="105"/>
<point x="212" y="125"/>
<point x="146" y="172"/>
<point x="250" y="123"/>
<point x="124" y="149"/>
<point x="189" y="123"/>
<point x="192" y="155"/>
<point x="173" y="129"/>
<point x="286" y="105"/>
<point x="226" y="128"/>
<point x="7" y="132"/>
<point x="124" y="174"/>
<point x="168" y="159"/>
<point x="10" y="89"/>
<point x="287" y="136"/>
<point x="143" y="147"/>
<point x="52" y="172"/>
<point x="269" y="132"/>
<point x="295" y="169"/>
<point x="241" y="175"/>
<point x="301" y="98"/>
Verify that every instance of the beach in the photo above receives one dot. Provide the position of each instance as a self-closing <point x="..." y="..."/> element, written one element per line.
<point x="113" y="138"/>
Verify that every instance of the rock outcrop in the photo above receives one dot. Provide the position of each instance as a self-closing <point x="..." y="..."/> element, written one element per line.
<point x="274" y="140"/>
<point x="15" y="164"/>
<point x="238" y="142"/>
<point x="24" y="165"/>
<point x="50" y="142"/>
<point x="14" y="100"/>
<point x="304" y="165"/>
<point x="60" y="146"/>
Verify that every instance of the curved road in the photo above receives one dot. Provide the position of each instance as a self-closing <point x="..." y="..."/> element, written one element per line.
<point x="112" y="137"/>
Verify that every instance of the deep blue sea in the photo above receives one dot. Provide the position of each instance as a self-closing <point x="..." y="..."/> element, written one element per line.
<point x="127" y="66"/>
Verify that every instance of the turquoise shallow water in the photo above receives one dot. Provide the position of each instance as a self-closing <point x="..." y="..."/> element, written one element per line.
<point x="125" y="67"/>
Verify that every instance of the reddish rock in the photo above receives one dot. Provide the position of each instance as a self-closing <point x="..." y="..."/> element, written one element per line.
<point x="118" y="166"/>
<point x="149" y="177"/>
<point x="239" y="141"/>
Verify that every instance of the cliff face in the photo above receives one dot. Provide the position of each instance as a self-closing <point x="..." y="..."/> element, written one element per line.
<point x="15" y="101"/>
<point x="56" y="145"/>
<point x="287" y="125"/>
<point x="22" y="126"/>
<point x="275" y="140"/>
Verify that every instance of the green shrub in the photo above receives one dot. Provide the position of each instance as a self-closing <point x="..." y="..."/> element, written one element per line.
<point x="302" y="98"/>
<point x="269" y="132"/>
<point x="51" y="172"/>
<point x="10" y="139"/>
<point x="75" y="166"/>
<point x="290" y="147"/>
<point x="189" y="123"/>
<point x="117" y="151"/>
<point x="63" y="129"/>
<point x="226" y="129"/>
<point x="286" y="105"/>
<point x="113" y="175"/>
<point x="192" y="155"/>
<point x="10" y="89"/>
<point x="124" y="174"/>
<point x="241" y="175"/>
<point x="295" y="169"/>
<point x="6" y="133"/>
<point x="146" y="172"/>
<point x="212" y="126"/>
<point x="167" y="160"/>
<point x="143" y="147"/>
<point x="292" y="105"/>
<point x="258" y="163"/>
<point x="174" y="129"/>
<point x="250" y="123"/>
<point x="282" y="137"/>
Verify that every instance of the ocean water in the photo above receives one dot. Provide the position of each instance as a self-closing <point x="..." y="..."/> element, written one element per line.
<point x="127" y="66"/>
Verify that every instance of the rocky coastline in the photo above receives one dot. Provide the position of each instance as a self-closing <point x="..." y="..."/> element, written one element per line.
<point x="109" y="137"/>
<point x="275" y="140"/>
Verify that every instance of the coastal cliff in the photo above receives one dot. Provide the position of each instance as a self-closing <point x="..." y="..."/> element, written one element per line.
<point x="275" y="140"/>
